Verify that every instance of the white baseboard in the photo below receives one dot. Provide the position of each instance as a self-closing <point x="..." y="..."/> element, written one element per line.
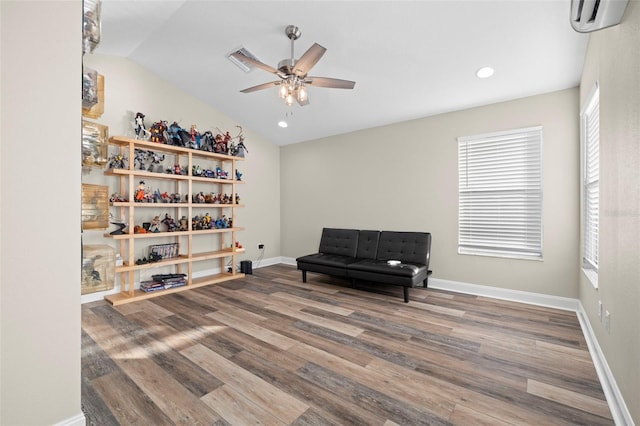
<point x="94" y="297"/>
<point x="271" y="261"/>
<point x="557" y="302"/>
<point x="77" y="420"/>
<point x="619" y="410"/>
<point x="288" y="261"/>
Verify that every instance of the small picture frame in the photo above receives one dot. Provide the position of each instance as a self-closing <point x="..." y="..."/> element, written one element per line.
<point x="92" y="93"/>
<point x="94" y="144"/>
<point x="95" y="206"/>
<point x="91" y="27"/>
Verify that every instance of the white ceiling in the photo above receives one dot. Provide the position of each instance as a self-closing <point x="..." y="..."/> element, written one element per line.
<point x="410" y="59"/>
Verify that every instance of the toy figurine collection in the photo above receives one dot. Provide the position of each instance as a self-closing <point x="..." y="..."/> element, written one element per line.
<point x="144" y="194"/>
<point x="173" y="134"/>
<point x="198" y="223"/>
<point x="150" y="161"/>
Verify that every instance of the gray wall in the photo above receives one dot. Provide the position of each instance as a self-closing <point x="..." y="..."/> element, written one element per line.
<point x="404" y="177"/>
<point x="613" y="59"/>
<point x="40" y="219"/>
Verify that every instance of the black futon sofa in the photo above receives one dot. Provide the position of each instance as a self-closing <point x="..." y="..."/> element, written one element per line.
<point x="365" y="255"/>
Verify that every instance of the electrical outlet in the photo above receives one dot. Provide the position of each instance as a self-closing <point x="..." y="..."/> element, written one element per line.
<point x="600" y="309"/>
<point x="607" y="321"/>
<point x="260" y="246"/>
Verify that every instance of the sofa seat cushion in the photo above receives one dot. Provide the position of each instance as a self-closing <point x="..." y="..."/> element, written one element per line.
<point x="324" y="259"/>
<point x="382" y="267"/>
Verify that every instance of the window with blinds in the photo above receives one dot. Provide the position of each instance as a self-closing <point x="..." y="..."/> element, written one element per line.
<point x="500" y="194"/>
<point x="590" y="183"/>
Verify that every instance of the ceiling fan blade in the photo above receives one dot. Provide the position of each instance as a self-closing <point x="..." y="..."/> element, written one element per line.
<point x="308" y="60"/>
<point x="260" y="87"/>
<point x="334" y="83"/>
<point x="239" y="56"/>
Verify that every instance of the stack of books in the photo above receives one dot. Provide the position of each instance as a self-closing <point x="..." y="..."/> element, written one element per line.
<point x="163" y="282"/>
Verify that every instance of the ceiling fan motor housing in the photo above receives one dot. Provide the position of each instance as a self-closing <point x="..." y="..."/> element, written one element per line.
<point x="285" y="66"/>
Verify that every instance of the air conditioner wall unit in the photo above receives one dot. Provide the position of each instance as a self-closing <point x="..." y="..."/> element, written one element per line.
<point x="593" y="15"/>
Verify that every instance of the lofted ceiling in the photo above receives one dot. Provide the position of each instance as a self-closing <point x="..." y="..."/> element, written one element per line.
<point x="410" y="59"/>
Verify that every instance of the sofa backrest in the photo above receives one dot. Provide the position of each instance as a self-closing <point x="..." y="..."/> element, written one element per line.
<point x="339" y="241"/>
<point x="408" y="247"/>
<point x="368" y="244"/>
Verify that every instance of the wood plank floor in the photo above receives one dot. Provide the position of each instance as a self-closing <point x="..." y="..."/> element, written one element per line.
<point x="270" y="350"/>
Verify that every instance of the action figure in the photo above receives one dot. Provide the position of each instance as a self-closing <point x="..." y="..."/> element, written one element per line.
<point x="184" y="224"/>
<point x="155" y="159"/>
<point x="196" y="170"/>
<point x="155" y="224"/>
<point x="241" y="148"/>
<point x="141" y="131"/>
<point x="158" y="132"/>
<point x="141" y="157"/>
<point x="117" y="161"/>
<point x="195" y="137"/>
<point x="199" y="198"/>
<point x="221" y="145"/>
<point x="171" y="224"/>
<point x="207" y="141"/>
<point x="210" y="198"/>
<point x="178" y="135"/>
<point x="141" y="192"/>
<point x="117" y="198"/>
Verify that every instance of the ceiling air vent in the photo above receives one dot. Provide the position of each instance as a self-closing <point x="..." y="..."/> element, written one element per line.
<point x="244" y="66"/>
<point x="592" y="15"/>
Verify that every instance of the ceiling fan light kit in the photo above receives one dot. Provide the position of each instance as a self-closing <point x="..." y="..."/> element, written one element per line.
<point x="293" y="73"/>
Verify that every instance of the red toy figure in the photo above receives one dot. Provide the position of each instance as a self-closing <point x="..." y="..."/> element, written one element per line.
<point x="140" y="192"/>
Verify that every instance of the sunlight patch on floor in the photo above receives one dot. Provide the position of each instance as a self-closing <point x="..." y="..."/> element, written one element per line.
<point x="175" y="341"/>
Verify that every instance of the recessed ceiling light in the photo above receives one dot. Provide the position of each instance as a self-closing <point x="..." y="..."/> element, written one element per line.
<point x="282" y="124"/>
<point x="485" y="72"/>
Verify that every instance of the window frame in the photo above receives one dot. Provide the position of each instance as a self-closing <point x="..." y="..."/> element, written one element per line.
<point x="528" y="244"/>
<point x="590" y="237"/>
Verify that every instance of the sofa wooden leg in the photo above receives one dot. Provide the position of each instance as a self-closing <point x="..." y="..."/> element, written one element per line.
<point x="406" y="294"/>
<point x="304" y="276"/>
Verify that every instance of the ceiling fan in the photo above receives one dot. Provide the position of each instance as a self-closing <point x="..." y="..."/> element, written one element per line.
<point x="293" y="73"/>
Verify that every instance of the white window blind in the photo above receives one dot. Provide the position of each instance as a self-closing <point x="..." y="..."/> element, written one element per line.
<point x="591" y="181"/>
<point x="500" y="194"/>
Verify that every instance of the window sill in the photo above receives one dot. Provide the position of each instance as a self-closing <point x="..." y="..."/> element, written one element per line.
<point x="592" y="276"/>
<point x="538" y="258"/>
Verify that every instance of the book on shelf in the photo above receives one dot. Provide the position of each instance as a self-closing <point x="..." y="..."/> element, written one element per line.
<point x="151" y="285"/>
